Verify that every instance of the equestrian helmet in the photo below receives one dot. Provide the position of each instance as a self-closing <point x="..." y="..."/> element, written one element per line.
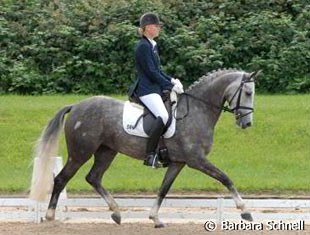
<point x="149" y="18"/>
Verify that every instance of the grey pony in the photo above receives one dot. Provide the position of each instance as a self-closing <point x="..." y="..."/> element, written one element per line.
<point x="94" y="127"/>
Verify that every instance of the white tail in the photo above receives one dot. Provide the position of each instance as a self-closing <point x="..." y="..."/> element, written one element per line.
<point x="46" y="150"/>
<point x="42" y="175"/>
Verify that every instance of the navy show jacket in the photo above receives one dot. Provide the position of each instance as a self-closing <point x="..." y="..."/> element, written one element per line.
<point x="151" y="78"/>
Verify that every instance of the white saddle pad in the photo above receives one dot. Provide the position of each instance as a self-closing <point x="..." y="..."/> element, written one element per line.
<point x="132" y="112"/>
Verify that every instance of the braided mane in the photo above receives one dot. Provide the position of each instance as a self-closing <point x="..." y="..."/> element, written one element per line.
<point x="209" y="77"/>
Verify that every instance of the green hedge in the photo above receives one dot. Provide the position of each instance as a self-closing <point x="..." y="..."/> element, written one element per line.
<point x="88" y="46"/>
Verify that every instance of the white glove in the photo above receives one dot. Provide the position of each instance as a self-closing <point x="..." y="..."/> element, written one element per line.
<point x="176" y="81"/>
<point x="178" y="87"/>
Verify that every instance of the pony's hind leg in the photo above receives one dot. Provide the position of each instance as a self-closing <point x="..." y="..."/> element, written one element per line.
<point x="60" y="181"/>
<point x="208" y="168"/>
<point x="103" y="159"/>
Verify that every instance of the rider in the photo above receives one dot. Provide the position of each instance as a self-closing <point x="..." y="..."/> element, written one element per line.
<point x="152" y="82"/>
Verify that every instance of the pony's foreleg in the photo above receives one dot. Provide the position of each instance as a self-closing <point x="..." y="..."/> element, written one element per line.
<point x="240" y="204"/>
<point x="208" y="168"/>
<point x="103" y="158"/>
<point x="172" y="172"/>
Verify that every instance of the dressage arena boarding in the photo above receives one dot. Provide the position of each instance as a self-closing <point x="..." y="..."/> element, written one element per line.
<point x="179" y="209"/>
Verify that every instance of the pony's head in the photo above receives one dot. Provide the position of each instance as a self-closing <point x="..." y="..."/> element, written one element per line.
<point x="240" y="98"/>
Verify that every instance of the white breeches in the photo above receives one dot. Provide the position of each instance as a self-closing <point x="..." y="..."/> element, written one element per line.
<point x="156" y="105"/>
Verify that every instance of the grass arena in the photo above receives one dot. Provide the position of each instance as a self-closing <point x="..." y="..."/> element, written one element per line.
<point x="272" y="162"/>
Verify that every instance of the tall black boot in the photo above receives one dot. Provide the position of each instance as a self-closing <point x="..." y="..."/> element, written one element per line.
<point x="151" y="158"/>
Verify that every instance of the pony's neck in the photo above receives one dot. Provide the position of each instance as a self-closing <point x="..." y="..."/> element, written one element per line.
<point x="212" y="89"/>
<point x="215" y="91"/>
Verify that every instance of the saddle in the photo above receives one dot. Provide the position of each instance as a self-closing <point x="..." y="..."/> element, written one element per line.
<point x="138" y="120"/>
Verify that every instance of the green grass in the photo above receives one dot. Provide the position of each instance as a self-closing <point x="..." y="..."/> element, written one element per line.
<point x="272" y="156"/>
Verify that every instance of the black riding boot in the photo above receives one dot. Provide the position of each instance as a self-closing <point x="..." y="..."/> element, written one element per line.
<point x="151" y="158"/>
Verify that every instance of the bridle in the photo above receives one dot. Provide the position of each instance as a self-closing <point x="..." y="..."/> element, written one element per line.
<point x="224" y="108"/>
<point x="237" y="94"/>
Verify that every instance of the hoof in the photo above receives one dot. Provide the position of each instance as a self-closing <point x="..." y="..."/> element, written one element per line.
<point x="246" y="216"/>
<point x="47" y="219"/>
<point x="50" y="215"/>
<point x="116" y="216"/>
<point x="160" y="225"/>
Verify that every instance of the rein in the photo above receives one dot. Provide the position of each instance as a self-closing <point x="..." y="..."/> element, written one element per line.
<point x="223" y="107"/>
<point x="185" y="94"/>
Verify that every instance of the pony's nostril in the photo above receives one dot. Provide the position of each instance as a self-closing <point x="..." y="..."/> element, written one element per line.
<point x="249" y="124"/>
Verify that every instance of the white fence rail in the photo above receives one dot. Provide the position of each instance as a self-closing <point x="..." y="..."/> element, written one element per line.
<point x="173" y="209"/>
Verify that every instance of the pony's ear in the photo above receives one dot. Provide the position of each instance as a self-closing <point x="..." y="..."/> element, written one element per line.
<point x="254" y="75"/>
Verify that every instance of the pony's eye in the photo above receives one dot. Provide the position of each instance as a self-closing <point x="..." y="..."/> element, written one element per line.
<point x="248" y="93"/>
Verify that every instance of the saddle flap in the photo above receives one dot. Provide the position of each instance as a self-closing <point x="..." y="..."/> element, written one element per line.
<point x="137" y="120"/>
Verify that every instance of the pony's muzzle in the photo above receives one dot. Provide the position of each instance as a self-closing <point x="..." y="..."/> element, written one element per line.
<point x="245" y="125"/>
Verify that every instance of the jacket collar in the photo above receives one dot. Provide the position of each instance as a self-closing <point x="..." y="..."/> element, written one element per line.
<point x="150" y="41"/>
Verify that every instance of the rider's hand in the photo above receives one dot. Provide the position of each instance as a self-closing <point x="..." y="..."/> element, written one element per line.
<point x="178" y="89"/>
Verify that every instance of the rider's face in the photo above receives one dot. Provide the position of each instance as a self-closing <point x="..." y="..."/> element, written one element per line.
<point x="152" y="30"/>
